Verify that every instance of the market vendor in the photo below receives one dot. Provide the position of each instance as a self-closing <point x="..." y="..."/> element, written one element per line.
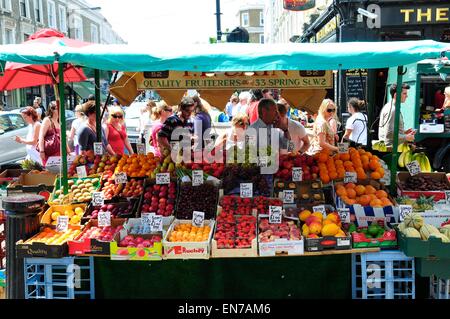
<point x="181" y="119"/>
<point x="299" y="141"/>
<point x="446" y="104"/>
<point x="387" y="119"/>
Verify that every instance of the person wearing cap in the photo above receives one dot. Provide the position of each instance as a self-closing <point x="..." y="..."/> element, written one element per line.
<point x="30" y="117"/>
<point x="181" y="119"/>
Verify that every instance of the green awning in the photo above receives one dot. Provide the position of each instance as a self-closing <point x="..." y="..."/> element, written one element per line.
<point x="84" y="89"/>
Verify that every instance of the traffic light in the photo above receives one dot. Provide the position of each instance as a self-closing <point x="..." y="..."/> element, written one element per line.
<point x="239" y="34"/>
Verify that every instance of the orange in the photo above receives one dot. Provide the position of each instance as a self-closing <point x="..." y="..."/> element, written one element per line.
<point x="381" y="194"/>
<point x="348" y="164"/>
<point x="361" y="151"/>
<point x="381" y="171"/>
<point x="365" y="159"/>
<point x="373" y="196"/>
<point x="338" y="162"/>
<point x="375" y="175"/>
<point x="325" y="178"/>
<point x="341" y="191"/>
<point x="360" y="190"/>
<point x="370" y="190"/>
<point x="344" y="157"/>
<point x="333" y="175"/>
<point x="351" y="193"/>
<point x="350" y="185"/>
<point x="361" y="174"/>
<point x="376" y="203"/>
<point x="341" y="173"/>
<point x="322" y="158"/>
<point x="350" y="202"/>
<point x="364" y="200"/>
<point x="386" y="201"/>
<point x="374" y="164"/>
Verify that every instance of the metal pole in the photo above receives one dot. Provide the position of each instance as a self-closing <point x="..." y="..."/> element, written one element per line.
<point x="219" y="28"/>
<point x="98" y="120"/>
<point x="398" y="102"/>
<point x="109" y="95"/>
<point x="62" y="116"/>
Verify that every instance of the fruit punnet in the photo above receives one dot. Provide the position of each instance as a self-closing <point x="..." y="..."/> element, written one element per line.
<point x="202" y="198"/>
<point x="189" y="233"/>
<point x="117" y="210"/>
<point x="270" y="232"/>
<point x="423" y="183"/>
<point x="159" y="199"/>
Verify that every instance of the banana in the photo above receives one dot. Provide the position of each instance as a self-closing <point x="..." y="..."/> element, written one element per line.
<point x="425" y="165"/>
<point x="408" y="157"/>
<point x="401" y="159"/>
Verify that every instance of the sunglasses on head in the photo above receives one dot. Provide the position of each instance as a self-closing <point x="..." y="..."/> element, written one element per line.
<point x="331" y="110"/>
<point x="168" y="110"/>
<point x="117" y="116"/>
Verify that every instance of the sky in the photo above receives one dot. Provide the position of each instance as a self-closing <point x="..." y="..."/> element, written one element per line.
<point x="165" y="21"/>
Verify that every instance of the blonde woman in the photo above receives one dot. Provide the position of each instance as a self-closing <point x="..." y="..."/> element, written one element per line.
<point x="145" y="120"/>
<point x="235" y="135"/>
<point x="323" y="136"/>
<point x="76" y="125"/>
<point x="116" y="132"/>
<point x="334" y="121"/>
<point x="160" y="113"/>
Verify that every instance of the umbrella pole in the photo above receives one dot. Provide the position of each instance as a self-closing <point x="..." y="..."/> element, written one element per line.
<point x="398" y="101"/>
<point x="98" y="120"/>
<point x="62" y="115"/>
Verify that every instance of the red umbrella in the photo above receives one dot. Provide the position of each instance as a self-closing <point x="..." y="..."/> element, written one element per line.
<point x="19" y="75"/>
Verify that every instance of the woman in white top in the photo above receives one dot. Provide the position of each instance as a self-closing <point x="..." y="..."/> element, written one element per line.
<point x="234" y="135"/>
<point x="76" y="124"/>
<point x="145" y="121"/>
<point x="31" y="117"/>
<point x="356" y="126"/>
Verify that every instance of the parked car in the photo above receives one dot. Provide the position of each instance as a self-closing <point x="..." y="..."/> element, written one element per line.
<point x="12" y="124"/>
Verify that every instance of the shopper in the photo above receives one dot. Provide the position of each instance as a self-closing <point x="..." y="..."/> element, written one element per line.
<point x="87" y="132"/>
<point x="76" y="125"/>
<point x="160" y="113"/>
<point x="387" y="119"/>
<point x="30" y="117"/>
<point x="334" y="121"/>
<point x="181" y="119"/>
<point x="252" y="110"/>
<point x="50" y="134"/>
<point x="145" y="121"/>
<point x="244" y="100"/>
<point x="37" y="104"/>
<point x="356" y="125"/>
<point x="234" y="100"/>
<point x="323" y="136"/>
<point x="202" y="120"/>
<point x="298" y="139"/>
<point x="116" y="132"/>
<point x="235" y="135"/>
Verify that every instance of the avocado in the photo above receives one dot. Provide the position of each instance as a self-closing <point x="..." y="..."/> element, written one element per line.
<point x="373" y="230"/>
<point x="352" y="228"/>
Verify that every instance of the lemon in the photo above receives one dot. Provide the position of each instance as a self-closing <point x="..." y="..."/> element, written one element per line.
<point x="79" y="211"/>
<point x="55" y="215"/>
<point x="69" y="213"/>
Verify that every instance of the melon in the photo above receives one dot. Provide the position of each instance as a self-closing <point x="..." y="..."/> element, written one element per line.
<point x="411" y="232"/>
<point x="414" y="220"/>
<point x="445" y="231"/>
<point x="441" y="236"/>
<point x="426" y="230"/>
<point x="401" y="226"/>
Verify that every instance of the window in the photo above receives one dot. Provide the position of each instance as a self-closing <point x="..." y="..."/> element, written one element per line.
<point x="62" y="19"/>
<point x="25" y="37"/>
<point x="24" y="8"/>
<point x="51" y="14"/>
<point x="6" y="4"/>
<point x="245" y="20"/>
<point x="261" y="38"/>
<point x="17" y="121"/>
<point x="94" y="33"/>
<point x="9" y="36"/>
<point x="261" y="18"/>
<point x="78" y="28"/>
<point x="38" y="11"/>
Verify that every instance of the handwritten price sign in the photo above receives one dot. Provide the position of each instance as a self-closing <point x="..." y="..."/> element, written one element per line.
<point x="121" y="178"/>
<point x="62" y="223"/>
<point x="198" y="219"/>
<point x="275" y="214"/>
<point x="162" y="178"/>
<point x="344" y="214"/>
<point x="297" y="174"/>
<point x="98" y="198"/>
<point x="404" y="210"/>
<point x="197" y="177"/>
<point x="342" y="148"/>
<point x="246" y="190"/>
<point x="98" y="148"/>
<point x="320" y="209"/>
<point x="140" y="148"/>
<point x="104" y="219"/>
<point x="288" y="197"/>
<point x="81" y="171"/>
<point x="350" y="177"/>
<point x="413" y="168"/>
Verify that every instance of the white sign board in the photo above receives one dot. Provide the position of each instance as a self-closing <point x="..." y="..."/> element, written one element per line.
<point x="140" y="148"/>
<point x="98" y="148"/>
<point x="198" y="219"/>
<point x="121" y="178"/>
<point x="350" y="177"/>
<point x="162" y="178"/>
<point x="342" y="148"/>
<point x="297" y="174"/>
<point x="288" y="197"/>
<point x="413" y="168"/>
<point x="62" y="223"/>
<point x="81" y="171"/>
<point x="320" y="209"/>
<point x="104" y="219"/>
<point x="98" y="198"/>
<point x="404" y="210"/>
<point x="197" y="177"/>
<point x="344" y="214"/>
<point x="275" y="214"/>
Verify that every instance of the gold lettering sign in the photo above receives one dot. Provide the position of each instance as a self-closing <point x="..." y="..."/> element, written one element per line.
<point x="425" y="15"/>
<point x="178" y="80"/>
<point x="327" y="29"/>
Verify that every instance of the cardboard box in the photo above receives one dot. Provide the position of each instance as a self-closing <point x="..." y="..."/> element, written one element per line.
<point x="46" y="219"/>
<point x="438" y="195"/>
<point x="41" y="250"/>
<point x="388" y="241"/>
<point x="11" y="174"/>
<point x="416" y="247"/>
<point x="134" y="253"/>
<point x="328" y="242"/>
<point x="187" y="250"/>
<point x="93" y="246"/>
<point x="41" y="184"/>
<point x="58" y="186"/>
<point x="282" y="247"/>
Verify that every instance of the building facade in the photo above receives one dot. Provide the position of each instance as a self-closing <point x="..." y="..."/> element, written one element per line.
<point x="75" y="18"/>
<point x="251" y="17"/>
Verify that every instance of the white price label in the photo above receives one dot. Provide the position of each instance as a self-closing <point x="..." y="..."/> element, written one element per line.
<point x="320" y="209"/>
<point x="263" y="161"/>
<point x="98" y="198"/>
<point x="404" y="210"/>
<point x="344" y="214"/>
<point x="104" y="219"/>
<point x="140" y="147"/>
<point x="145" y="218"/>
<point x="275" y="214"/>
<point x="162" y="178"/>
<point x="291" y="146"/>
<point x="98" y="148"/>
<point x="342" y="148"/>
<point x="288" y="197"/>
<point x="197" y="177"/>
<point x="350" y="177"/>
<point x="297" y="174"/>
<point x="447" y="196"/>
<point x="198" y="219"/>
<point x="156" y="223"/>
<point x="246" y="190"/>
<point x="81" y="171"/>
<point x="413" y="168"/>
<point x="121" y="178"/>
<point x="387" y="177"/>
<point x="62" y="223"/>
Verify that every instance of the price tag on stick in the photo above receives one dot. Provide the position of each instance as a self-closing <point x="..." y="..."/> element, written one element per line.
<point x="98" y="148"/>
<point x="104" y="219"/>
<point x="413" y="168"/>
<point x="81" y="171"/>
<point x="263" y="161"/>
<point x="246" y="190"/>
<point x="350" y="177"/>
<point x="98" y="198"/>
<point x="156" y="223"/>
<point x="320" y="209"/>
<point x="404" y="210"/>
<point x="344" y="214"/>
<point x="140" y="148"/>
<point x="121" y="178"/>
<point x="297" y="174"/>
<point x="62" y="223"/>
<point x="198" y="219"/>
<point x="197" y="177"/>
<point x="275" y="214"/>
<point x="288" y="197"/>
<point x="342" y="148"/>
<point x="145" y="218"/>
<point x="162" y="178"/>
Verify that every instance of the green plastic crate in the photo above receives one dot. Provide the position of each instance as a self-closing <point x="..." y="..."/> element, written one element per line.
<point x="429" y="266"/>
<point x="416" y="247"/>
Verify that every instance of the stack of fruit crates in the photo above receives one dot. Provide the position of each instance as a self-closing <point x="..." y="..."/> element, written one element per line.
<point x="388" y="274"/>
<point x="2" y="241"/>
<point x="63" y="278"/>
<point x="439" y="288"/>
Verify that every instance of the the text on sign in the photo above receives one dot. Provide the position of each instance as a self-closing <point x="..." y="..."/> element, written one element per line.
<point x="156" y="223"/>
<point x="275" y="214"/>
<point x="98" y="198"/>
<point x="413" y="168"/>
<point x="344" y="214"/>
<point x="121" y="178"/>
<point x="297" y="174"/>
<point x="288" y="197"/>
<point x="198" y="219"/>
<point x="404" y="210"/>
<point x="350" y="177"/>
<point x="320" y="209"/>
<point x="62" y="223"/>
<point x="104" y="219"/>
<point x="246" y="190"/>
<point x="447" y="196"/>
<point x="162" y="178"/>
<point x="81" y="171"/>
<point x="342" y="148"/>
<point x="140" y="148"/>
<point x="197" y="177"/>
<point x="98" y="148"/>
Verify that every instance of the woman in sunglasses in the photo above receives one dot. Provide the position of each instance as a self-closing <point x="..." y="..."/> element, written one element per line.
<point x="323" y="136"/>
<point x="160" y="113"/>
<point x="116" y="132"/>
